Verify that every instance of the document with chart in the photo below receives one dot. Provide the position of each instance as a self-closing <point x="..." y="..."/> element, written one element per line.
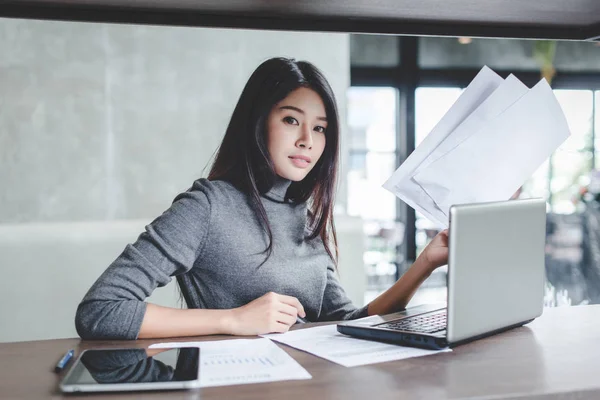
<point x="493" y="138"/>
<point x="240" y="361"/>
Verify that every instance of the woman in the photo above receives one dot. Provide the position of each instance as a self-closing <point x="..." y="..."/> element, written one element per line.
<point x="253" y="247"/>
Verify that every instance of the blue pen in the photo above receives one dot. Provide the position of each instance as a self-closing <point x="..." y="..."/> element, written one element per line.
<point x="64" y="360"/>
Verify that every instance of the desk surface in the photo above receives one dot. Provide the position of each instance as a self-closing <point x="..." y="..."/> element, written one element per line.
<point x="556" y="356"/>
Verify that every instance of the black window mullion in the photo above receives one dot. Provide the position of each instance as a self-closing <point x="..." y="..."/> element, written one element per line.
<point x="407" y="79"/>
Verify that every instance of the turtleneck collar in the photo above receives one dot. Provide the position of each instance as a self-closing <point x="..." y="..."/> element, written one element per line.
<point x="279" y="189"/>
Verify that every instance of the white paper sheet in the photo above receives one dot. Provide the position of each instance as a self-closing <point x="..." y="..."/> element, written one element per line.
<point x="496" y="160"/>
<point x="400" y="183"/>
<point x="241" y="361"/>
<point x="326" y="342"/>
<point x="509" y="92"/>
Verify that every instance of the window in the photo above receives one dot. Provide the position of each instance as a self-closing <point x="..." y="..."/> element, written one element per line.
<point x="572" y="161"/>
<point x="443" y="66"/>
<point x="562" y="177"/>
<point x="431" y="104"/>
<point x="372" y="160"/>
<point x="560" y="180"/>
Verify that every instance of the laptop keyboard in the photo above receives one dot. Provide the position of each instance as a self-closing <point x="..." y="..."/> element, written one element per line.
<point x="424" y="323"/>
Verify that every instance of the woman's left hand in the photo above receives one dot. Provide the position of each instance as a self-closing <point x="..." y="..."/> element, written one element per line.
<point x="436" y="252"/>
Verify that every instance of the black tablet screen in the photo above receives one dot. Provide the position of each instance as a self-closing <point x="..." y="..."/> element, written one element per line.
<point x="135" y="366"/>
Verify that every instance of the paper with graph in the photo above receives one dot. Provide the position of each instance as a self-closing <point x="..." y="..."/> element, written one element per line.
<point x="484" y="148"/>
<point x="241" y="361"/>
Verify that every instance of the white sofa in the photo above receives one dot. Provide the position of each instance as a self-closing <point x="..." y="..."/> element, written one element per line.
<point x="48" y="267"/>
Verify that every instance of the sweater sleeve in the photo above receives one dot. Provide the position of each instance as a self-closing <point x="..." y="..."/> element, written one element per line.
<point x="336" y="304"/>
<point x="114" y="306"/>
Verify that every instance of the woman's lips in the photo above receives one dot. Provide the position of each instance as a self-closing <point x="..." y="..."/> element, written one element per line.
<point x="300" y="162"/>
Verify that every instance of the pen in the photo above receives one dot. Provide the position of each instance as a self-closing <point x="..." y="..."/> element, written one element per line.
<point x="301" y="320"/>
<point x="64" y="360"/>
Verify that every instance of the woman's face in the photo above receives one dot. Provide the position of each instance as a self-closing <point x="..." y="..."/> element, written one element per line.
<point x="296" y="133"/>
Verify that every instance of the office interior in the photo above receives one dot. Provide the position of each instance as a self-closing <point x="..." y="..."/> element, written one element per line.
<point x="102" y="125"/>
<point x="393" y="77"/>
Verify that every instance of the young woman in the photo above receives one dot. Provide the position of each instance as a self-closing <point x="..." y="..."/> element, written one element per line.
<point x="253" y="247"/>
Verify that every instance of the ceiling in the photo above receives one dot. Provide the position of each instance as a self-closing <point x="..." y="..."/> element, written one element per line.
<point x="535" y="19"/>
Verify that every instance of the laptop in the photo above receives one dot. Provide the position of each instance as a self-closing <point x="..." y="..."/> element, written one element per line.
<point x="495" y="280"/>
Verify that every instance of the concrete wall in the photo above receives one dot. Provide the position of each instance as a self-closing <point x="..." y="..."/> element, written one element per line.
<point x="103" y="121"/>
<point x="101" y="126"/>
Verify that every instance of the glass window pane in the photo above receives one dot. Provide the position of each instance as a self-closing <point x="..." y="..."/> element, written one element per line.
<point x="537" y="185"/>
<point x="383" y="239"/>
<point x="372" y="114"/>
<point x="572" y="161"/>
<point x="569" y="172"/>
<point x="577" y="106"/>
<point x="430" y="106"/>
<point x="372" y="118"/>
<point x="366" y="197"/>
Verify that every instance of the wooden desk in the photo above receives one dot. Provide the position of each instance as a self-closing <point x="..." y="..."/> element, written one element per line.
<point x="556" y="356"/>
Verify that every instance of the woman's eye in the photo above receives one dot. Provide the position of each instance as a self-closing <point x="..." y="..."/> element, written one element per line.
<point x="290" y="120"/>
<point x="320" y="129"/>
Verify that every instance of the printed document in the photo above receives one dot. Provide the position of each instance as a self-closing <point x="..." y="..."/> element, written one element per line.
<point x="326" y="342"/>
<point x="485" y="147"/>
<point x="401" y="183"/>
<point x="492" y="163"/>
<point x="240" y="361"/>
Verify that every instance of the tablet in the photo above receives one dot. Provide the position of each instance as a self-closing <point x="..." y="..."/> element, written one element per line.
<point x="115" y="370"/>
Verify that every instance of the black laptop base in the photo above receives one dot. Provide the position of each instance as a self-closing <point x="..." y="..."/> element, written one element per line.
<point x="401" y="338"/>
<point x="415" y="339"/>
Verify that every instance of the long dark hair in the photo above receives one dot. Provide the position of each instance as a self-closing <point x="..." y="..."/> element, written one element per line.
<point x="243" y="158"/>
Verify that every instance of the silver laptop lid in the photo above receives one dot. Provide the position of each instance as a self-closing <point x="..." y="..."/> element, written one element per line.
<point x="496" y="266"/>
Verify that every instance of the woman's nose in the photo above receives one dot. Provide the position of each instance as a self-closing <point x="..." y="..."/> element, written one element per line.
<point x="306" y="138"/>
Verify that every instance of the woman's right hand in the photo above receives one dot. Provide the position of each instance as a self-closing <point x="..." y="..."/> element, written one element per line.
<point x="270" y="313"/>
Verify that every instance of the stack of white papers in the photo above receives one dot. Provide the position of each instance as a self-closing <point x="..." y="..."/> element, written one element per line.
<point x="484" y="148"/>
<point x="240" y="361"/>
<point x="326" y="342"/>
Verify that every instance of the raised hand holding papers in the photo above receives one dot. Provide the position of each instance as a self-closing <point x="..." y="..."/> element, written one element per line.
<point x="488" y="155"/>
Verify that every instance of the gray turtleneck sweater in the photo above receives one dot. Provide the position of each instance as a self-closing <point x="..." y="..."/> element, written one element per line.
<point x="211" y="238"/>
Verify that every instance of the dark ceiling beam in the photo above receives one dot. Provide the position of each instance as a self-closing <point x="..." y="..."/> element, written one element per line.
<point x="278" y="20"/>
<point x="593" y="32"/>
<point x="374" y="76"/>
